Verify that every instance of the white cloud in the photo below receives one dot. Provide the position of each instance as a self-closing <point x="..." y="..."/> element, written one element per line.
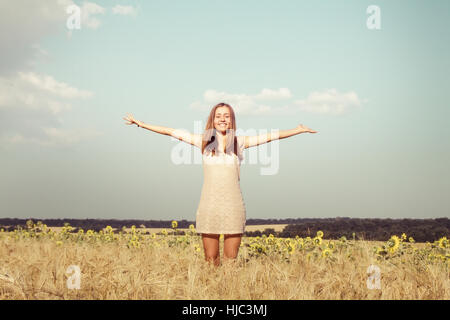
<point x="88" y="10"/>
<point x="69" y="136"/>
<point x="31" y="106"/>
<point x="50" y="137"/>
<point x="327" y="102"/>
<point x="24" y="23"/>
<point x="268" y="94"/>
<point x="49" y="84"/>
<point x="35" y="91"/>
<point x="245" y="104"/>
<point x="124" y="10"/>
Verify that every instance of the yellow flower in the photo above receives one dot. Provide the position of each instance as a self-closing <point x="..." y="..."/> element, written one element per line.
<point x="319" y="234"/>
<point x="317" y="241"/>
<point x="191" y="227"/>
<point x="59" y="243"/>
<point x="258" y="248"/>
<point x="411" y="239"/>
<point x="443" y="242"/>
<point x="134" y="243"/>
<point x="403" y="236"/>
<point x="331" y="245"/>
<point x="326" y="253"/>
<point x="174" y="224"/>
<point x="153" y="236"/>
<point x="109" y="229"/>
<point x="291" y="248"/>
<point x="393" y="243"/>
<point x="164" y="232"/>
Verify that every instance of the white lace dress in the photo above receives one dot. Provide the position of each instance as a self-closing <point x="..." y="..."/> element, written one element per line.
<point x="221" y="209"/>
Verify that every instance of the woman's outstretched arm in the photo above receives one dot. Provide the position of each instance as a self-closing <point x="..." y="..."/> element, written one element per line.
<point x="194" y="139"/>
<point x="251" y="141"/>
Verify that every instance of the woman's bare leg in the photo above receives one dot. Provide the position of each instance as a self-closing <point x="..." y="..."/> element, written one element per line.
<point x="211" y="247"/>
<point x="231" y="245"/>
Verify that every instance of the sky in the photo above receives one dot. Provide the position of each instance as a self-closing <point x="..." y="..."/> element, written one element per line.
<point x="373" y="81"/>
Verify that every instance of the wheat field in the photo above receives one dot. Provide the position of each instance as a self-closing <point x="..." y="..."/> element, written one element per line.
<point x="38" y="263"/>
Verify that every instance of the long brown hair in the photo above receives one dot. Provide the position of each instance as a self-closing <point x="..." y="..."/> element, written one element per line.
<point x="209" y="140"/>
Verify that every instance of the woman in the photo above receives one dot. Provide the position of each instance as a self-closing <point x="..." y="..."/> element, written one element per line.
<point x="221" y="209"/>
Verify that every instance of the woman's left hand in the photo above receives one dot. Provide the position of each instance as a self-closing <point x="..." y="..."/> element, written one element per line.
<point x="303" y="128"/>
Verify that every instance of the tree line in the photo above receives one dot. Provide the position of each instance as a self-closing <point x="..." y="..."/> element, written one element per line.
<point x="421" y="230"/>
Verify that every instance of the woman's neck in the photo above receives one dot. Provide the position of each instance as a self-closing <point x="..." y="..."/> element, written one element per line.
<point x="220" y="134"/>
<point x="222" y="140"/>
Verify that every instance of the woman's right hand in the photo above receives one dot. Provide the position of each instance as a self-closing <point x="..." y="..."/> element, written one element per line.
<point x="130" y="119"/>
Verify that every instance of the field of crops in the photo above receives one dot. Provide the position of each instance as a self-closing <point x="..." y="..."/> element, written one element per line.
<point x="40" y="263"/>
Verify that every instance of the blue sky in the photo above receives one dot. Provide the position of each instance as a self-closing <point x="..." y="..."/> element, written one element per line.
<point x="379" y="99"/>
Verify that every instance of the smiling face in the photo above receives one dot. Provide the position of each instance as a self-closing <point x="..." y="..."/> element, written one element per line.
<point x="222" y="119"/>
<point x="221" y="124"/>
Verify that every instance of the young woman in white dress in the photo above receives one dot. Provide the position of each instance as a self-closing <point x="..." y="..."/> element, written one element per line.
<point x="221" y="209"/>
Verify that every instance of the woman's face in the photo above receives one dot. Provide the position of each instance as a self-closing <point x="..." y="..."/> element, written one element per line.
<point x="222" y="119"/>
